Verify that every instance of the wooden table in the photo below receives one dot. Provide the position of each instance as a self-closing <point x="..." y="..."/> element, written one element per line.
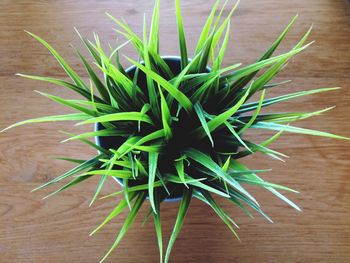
<point x="56" y="230"/>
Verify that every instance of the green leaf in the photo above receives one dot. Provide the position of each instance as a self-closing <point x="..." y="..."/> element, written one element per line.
<point x="152" y="166"/>
<point x="220" y="119"/>
<point x="275" y="69"/>
<point x="204" y="89"/>
<point x="136" y="41"/>
<point x="288" y="128"/>
<point x="54" y="118"/>
<point x="253" y="105"/>
<point x="68" y="103"/>
<point x="274" y="46"/>
<point x="179" y="166"/>
<point x="206" y="29"/>
<point x="90" y="143"/>
<point x="71" y="73"/>
<point x="225" y="24"/>
<point x="226" y="164"/>
<point x="104" y="177"/>
<point x="72" y="160"/>
<point x="150" y="84"/>
<point x="158" y="226"/>
<point x="207" y="162"/>
<point x="98" y="189"/>
<point x="98" y="83"/>
<point x="127" y="223"/>
<point x="135" y="142"/>
<point x="120" y="116"/>
<point x="236" y="75"/>
<point x="198" y="184"/>
<point x="242" y="82"/>
<point x="75" y="181"/>
<point x="236" y="197"/>
<point x="81" y="167"/>
<point x="291" y="116"/>
<point x="182" y="38"/>
<point x="200" y="113"/>
<point x="116" y="211"/>
<point x="154" y="32"/>
<point x="63" y="83"/>
<point x="114" y="173"/>
<point x="262" y="147"/>
<point x="101" y="107"/>
<point x="265" y="184"/>
<point x="222" y="50"/>
<point x="208" y="199"/>
<point x="255" y="115"/>
<point x="176" y="93"/>
<point x="166" y="117"/>
<point x="126" y="191"/>
<point x="185" y="202"/>
<point x="136" y="188"/>
<point x="236" y="135"/>
<point x="89" y="47"/>
<point x="100" y="133"/>
<point x="240" y="167"/>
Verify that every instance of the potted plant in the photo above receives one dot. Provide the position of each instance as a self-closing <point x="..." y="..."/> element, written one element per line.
<point x="173" y="128"/>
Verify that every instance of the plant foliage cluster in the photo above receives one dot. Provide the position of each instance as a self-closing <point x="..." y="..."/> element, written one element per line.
<point x="176" y="133"/>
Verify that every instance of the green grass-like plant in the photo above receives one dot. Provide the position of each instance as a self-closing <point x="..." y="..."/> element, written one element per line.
<point x="177" y="133"/>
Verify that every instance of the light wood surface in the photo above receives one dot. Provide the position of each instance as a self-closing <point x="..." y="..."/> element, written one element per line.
<point x="56" y="230"/>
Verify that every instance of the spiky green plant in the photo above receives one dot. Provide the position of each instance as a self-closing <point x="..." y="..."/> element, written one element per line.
<point x="176" y="133"/>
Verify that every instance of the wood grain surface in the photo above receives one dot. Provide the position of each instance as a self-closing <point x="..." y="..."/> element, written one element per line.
<point x="56" y="230"/>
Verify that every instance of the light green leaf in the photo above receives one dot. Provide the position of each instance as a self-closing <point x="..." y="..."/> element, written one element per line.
<point x="288" y="128"/>
<point x="63" y="83"/>
<point x="166" y="117"/>
<point x="71" y="73"/>
<point x="185" y="202"/>
<point x="116" y="211"/>
<point x="235" y="134"/>
<point x="255" y="115"/>
<point x="176" y="93"/>
<point x="98" y="83"/>
<point x="54" y="118"/>
<point x="127" y="223"/>
<point x="179" y="165"/>
<point x="73" y="182"/>
<point x="152" y="166"/>
<point x="253" y="105"/>
<point x="199" y="110"/>
<point x="208" y="199"/>
<point x="154" y="32"/>
<point x="136" y="188"/>
<point x="158" y="226"/>
<point x="120" y="116"/>
<point x="81" y="167"/>
<point x="220" y="119"/>
<point x="153" y="99"/>
<point x="240" y="167"/>
<point x="182" y="38"/>
<point x="69" y="104"/>
<point x="206" y="28"/>
<point x="88" y="142"/>
<point x="197" y="183"/>
<point x="100" y="133"/>
<point x="207" y="162"/>
<point x="107" y="172"/>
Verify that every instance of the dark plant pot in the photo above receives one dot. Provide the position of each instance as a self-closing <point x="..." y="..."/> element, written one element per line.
<point x="113" y="142"/>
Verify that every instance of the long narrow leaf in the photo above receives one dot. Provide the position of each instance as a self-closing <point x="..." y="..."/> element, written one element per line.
<point x="185" y="202"/>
